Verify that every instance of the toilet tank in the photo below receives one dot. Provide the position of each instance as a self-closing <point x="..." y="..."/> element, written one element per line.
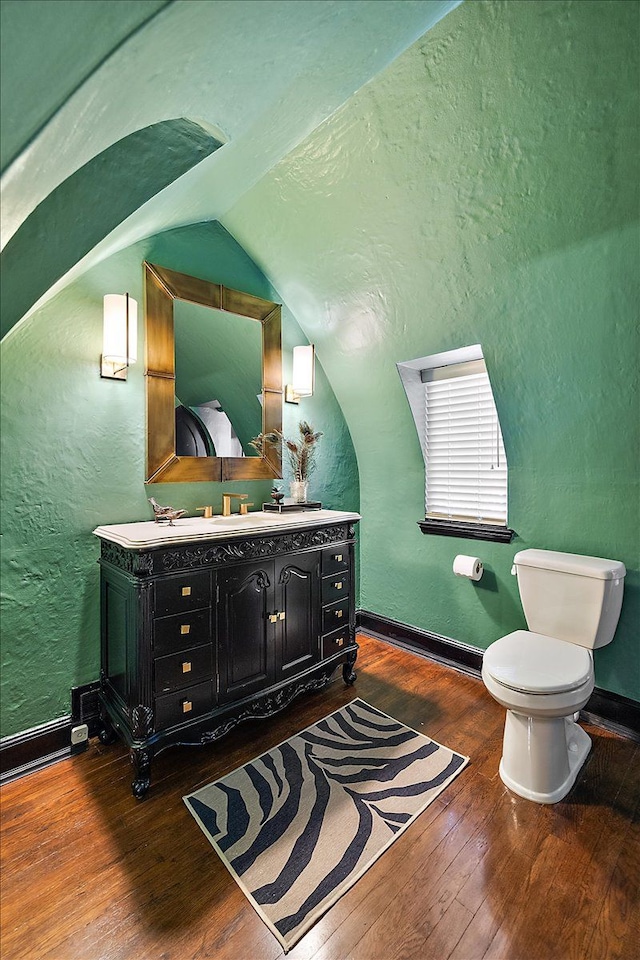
<point x="573" y="598"/>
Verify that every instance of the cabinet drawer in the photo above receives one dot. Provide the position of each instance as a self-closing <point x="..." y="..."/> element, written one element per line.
<point x="182" y="669"/>
<point x="335" y="616"/>
<point x="335" y="642"/>
<point x="335" y="588"/>
<point x="183" y="705"/>
<point x="180" y="632"/>
<point x="335" y="560"/>
<point x="185" y="592"/>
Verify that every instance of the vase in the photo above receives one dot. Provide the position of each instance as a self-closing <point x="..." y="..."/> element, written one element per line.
<point x="299" y="490"/>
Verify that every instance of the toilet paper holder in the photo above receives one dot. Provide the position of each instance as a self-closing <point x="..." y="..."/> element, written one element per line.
<point x="471" y="568"/>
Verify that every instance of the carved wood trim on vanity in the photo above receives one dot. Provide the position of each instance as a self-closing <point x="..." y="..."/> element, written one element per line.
<point x="182" y="557"/>
<point x="139" y="564"/>
<point x="263" y="707"/>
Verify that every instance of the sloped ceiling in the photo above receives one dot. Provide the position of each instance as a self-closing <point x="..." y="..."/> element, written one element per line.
<point x="39" y="80"/>
<point x="260" y="75"/>
<point x="112" y="185"/>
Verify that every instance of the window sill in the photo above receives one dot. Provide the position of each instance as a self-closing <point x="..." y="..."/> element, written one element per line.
<point x="467" y="531"/>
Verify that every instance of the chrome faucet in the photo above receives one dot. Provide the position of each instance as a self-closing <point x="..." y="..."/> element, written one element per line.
<point x="226" y="501"/>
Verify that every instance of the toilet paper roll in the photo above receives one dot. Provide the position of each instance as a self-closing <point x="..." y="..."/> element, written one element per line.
<point x="470" y="567"/>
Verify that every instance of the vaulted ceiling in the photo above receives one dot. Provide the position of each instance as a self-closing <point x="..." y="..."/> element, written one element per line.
<point x="113" y="115"/>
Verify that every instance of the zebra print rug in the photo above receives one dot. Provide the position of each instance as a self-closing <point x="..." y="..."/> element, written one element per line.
<point x="299" y="825"/>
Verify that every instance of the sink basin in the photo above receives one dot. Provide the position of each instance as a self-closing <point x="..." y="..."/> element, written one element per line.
<point x="262" y="518"/>
<point x="243" y="519"/>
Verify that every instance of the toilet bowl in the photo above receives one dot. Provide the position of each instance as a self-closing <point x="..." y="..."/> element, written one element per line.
<point x="545" y="675"/>
<point x="543" y="747"/>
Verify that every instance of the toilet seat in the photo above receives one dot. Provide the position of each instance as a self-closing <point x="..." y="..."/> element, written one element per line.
<point x="532" y="663"/>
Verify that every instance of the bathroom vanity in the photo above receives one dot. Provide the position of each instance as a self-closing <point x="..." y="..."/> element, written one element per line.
<point x="209" y="622"/>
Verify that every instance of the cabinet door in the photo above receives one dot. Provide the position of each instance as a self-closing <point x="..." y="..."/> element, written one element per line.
<point x="246" y="636"/>
<point x="297" y="601"/>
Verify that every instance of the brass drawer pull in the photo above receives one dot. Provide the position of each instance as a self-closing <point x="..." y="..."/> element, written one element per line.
<point x="339" y="641"/>
<point x="186" y="591"/>
<point x="186" y="666"/>
<point x="338" y="557"/>
<point x="185" y="628"/>
<point x="273" y="617"/>
<point x="339" y="613"/>
<point x="338" y="585"/>
<point x="282" y="615"/>
<point x="187" y="706"/>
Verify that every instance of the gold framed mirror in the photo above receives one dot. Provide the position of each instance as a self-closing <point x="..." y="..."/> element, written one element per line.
<point x="163" y="287"/>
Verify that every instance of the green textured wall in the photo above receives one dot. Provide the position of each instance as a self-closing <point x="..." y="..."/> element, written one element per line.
<point x="73" y="458"/>
<point x="482" y="189"/>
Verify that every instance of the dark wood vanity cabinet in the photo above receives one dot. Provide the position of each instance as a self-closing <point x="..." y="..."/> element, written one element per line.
<point x="197" y="637"/>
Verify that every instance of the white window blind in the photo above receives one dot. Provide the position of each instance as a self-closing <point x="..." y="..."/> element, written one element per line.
<point x="466" y="466"/>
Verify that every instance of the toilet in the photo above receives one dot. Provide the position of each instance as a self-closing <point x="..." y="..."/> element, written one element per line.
<point x="544" y="675"/>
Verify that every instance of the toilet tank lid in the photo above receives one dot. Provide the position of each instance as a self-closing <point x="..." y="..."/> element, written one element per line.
<point x="596" y="567"/>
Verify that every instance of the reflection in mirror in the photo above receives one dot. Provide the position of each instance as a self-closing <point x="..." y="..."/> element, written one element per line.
<point x="218" y="381"/>
<point x="214" y="385"/>
<point x="193" y="436"/>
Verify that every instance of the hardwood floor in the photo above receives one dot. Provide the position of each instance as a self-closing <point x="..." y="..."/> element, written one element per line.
<point x="88" y="873"/>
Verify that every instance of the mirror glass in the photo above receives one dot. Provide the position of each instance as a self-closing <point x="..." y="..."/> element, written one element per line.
<point x="218" y="384"/>
<point x="213" y="378"/>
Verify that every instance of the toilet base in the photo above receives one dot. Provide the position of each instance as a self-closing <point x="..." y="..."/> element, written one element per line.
<point x="542" y="756"/>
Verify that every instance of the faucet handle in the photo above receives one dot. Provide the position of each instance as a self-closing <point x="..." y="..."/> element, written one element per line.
<point x="208" y="512"/>
<point x="226" y="501"/>
<point x="244" y="508"/>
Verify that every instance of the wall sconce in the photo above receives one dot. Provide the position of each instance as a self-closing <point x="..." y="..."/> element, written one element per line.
<point x="303" y="374"/>
<point x="119" y="335"/>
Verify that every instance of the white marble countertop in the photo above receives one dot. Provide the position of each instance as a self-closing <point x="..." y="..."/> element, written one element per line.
<point x="147" y="533"/>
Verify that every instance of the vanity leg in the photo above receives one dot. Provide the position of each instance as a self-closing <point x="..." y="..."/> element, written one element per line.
<point x="107" y="733"/>
<point x="348" y="673"/>
<point x="141" y="761"/>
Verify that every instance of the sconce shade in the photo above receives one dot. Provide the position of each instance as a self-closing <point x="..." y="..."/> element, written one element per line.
<point x="303" y="370"/>
<point x="120" y="316"/>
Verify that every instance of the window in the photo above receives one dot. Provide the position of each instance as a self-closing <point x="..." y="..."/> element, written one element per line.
<point x="466" y="466"/>
<point x="465" y="462"/>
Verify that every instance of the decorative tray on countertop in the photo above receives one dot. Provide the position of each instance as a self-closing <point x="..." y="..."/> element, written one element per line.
<point x="288" y="506"/>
